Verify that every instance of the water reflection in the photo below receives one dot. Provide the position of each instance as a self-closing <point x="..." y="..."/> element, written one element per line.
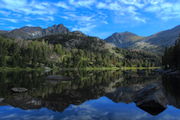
<point x="114" y="93"/>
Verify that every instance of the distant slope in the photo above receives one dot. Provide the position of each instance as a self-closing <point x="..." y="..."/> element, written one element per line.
<point x="123" y="40"/>
<point x="3" y="32"/>
<point x="80" y="41"/>
<point x="154" y="43"/>
<point x="72" y="40"/>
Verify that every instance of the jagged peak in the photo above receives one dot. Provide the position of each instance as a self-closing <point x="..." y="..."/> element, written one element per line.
<point x="56" y="26"/>
<point x="37" y="27"/>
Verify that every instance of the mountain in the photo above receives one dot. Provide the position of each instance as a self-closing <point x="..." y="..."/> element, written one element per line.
<point x="78" y="40"/>
<point x="124" y="39"/>
<point x="57" y="46"/>
<point x="155" y="43"/>
<point x="59" y="34"/>
<point x="35" y="32"/>
<point x="3" y="32"/>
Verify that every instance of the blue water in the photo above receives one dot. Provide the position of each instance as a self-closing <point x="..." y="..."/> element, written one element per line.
<point x="91" y="95"/>
<point x="99" y="109"/>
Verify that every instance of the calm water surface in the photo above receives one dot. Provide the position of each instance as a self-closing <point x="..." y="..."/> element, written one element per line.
<point x="98" y="95"/>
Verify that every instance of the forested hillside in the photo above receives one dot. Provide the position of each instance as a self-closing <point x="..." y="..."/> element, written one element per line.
<point x="171" y="58"/>
<point x="67" y="51"/>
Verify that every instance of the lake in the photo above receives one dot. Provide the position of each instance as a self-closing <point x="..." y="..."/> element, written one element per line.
<point x="90" y="95"/>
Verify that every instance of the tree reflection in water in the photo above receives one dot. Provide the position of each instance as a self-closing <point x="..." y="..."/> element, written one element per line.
<point x="150" y="91"/>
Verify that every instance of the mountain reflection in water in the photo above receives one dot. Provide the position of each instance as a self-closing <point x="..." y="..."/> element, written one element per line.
<point x="106" y="95"/>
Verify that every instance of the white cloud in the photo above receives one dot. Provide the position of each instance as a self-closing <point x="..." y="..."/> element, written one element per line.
<point x="101" y="5"/>
<point x="14" y="4"/>
<point x="5" y="13"/>
<point x="82" y="3"/>
<point x="165" y="10"/>
<point x="10" y="20"/>
<point x="122" y="12"/>
<point x="110" y="6"/>
<point x="86" y="28"/>
<point x="105" y="22"/>
<point x="140" y="19"/>
<point x="25" y="7"/>
<point x="82" y="14"/>
<point x="80" y="19"/>
<point x="62" y="5"/>
<point x="46" y="18"/>
<point x="85" y="23"/>
<point x="137" y="3"/>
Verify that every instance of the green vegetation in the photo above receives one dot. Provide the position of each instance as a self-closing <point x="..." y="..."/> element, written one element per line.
<point x="89" y="53"/>
<point x="96" y="68"/>
<point x="9" y="69"/>
<point x="139" y="68"/>
<point x="171" y="58"/>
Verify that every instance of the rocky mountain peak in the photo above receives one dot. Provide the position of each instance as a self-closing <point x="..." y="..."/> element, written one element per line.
<point x="122" y="39"/>
<point x="30" y="29"/>
<point x="125" y="34"/>
<point x="56" y="29"/>
<point x="154" y="43"/>
<point x="28" y="32"/>
<point x="78" y="33"/>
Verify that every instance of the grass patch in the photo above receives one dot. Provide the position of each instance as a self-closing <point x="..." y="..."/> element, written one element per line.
<point x="92" y="68"/>
<point x="139" y="68"/>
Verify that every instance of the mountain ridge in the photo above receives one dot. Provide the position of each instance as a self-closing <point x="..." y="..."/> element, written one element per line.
<point x="31" y="32"/>
<point x="155" y="43"/>
<point x="123" y="39"/>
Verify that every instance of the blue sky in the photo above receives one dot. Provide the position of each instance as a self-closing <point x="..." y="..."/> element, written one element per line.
<point x="93" y="17"/>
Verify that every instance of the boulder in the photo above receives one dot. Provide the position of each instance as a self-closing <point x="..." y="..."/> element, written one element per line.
<point x="58" y="77"/>
<point x="19" y="90"/>
<point x="151" y="99"/>
<point x="1" y="99"/>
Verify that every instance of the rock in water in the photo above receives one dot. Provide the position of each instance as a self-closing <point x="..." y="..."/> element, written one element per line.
<point x="19" y="90"/>
<point x="151" y="99"/>
<point x="58" y="77"/>
<point x="1" y="99"/>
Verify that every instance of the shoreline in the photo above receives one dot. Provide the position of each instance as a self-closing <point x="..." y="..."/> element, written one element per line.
<point x="11" y="69"/>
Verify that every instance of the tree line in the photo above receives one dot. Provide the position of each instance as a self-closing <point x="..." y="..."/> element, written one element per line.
<point x="33" y="53"/>
<point x="171" y="57"/>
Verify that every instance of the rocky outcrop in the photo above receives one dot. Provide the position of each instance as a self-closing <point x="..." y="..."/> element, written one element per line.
<point x="151" y="99"/>
<point x="54" y="30"/>
<point x="19" y="90"/>
<point x="28" y="32"/>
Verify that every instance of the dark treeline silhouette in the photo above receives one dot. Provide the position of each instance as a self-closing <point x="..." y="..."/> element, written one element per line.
<point x="171" y="57"/>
